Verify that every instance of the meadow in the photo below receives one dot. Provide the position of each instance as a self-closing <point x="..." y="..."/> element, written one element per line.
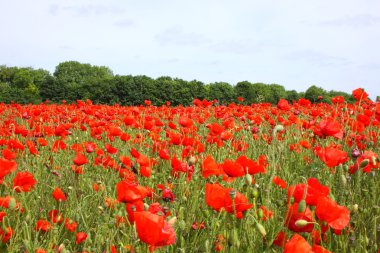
<point x="291" y="177"/>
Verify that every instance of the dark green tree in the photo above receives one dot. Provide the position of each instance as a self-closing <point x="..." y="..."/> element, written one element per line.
<point x="221" y="91"/>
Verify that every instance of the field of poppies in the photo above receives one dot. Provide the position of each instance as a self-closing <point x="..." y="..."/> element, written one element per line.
<point x="291" y="177"/>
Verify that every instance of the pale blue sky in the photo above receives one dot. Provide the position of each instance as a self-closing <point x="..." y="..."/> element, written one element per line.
<point x="331" y="44"/>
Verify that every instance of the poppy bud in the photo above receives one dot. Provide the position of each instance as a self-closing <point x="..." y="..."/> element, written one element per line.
<point x="182" y="225"/>
<point x="12" y="204"/>
<point x="172" y="221"/>
<point x="248" y="179"/>
<point x="291" y="200"/>
<point x="278" y="128"/>
<point x="234" y="238"/>
<point x="374" y="161"/>
<point x="301" y="223"/>
<point x="261" y="229"/>
<point x="233" y="194"/>
<point x="146" y="206"/>
<point x="364" y="163"/>
<point x="61" y="248"/>
<point x="355" y="153"/>
<point x="302" y="206"/>
<point x="343" y="179"/>
<point x="207" y="245"/>
<point x="255" y="193"/>
<point x="260" y="213"/>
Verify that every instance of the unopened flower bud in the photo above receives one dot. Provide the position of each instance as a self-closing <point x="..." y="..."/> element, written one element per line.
<point x="374" y="161"/>
<point x="172" y="221"/>
<point x="364" y="163"/>
<point x="255" y="193"/>
<point x="12" y="204"/>
<point x="260" y="213"/>
<point x="302" y="206"/>
<point x="343" y="180"/>
<point x="261" y="229"/>
<point x="355" y="153"/>
<point x="277" y="128"/>
<point x="301" y="223"/>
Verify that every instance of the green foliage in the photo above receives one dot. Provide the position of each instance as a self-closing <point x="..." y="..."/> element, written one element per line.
<point x="73" y="81"/>
<point x="223" y="92"/>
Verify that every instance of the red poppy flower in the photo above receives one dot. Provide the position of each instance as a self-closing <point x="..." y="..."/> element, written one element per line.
<point x="39" y="250"/>
<point x="366" y="161"/>
<point x="164" y="154"/>
<point x="90" y="147"/>
<point x="267" y="214"/>
<point x="2" y="215"/>
<point x="80" y="237"/>
<point x="330" y="127"/>
<point x="43" y="225"/>
<point x="215" y="196"/>
<point x="298" y="244"/>
<point x="336" y="216"/>
<point x="58" y="145"/>
<point x="154" y="230"/>
<point x="233" y="169"/>
<point x="314" y="190"/>
<point x="80" y="159"/>
<point x="232" y="201"/>
<point x="8" y="154"/>
<point x="23" y="182"/>
<point x="55" y="216"/>
<point x="32" y="148"/>
<point x="283" y="104"/>
<point x="129" y="192"/>
<point x="293" y="216"/>
<point x="278" y="181"/>
<point x="280" y="239"/>
<point x="210" y="167"/>
<point x="320" y="249"/>
<point x="70" y="225"/>
<point x="110" y="149"/>
<point x="185" y="121"/>
<point x="58" y="194"/>
<point x="331" y="155"/>
<point x="6" y="167"/>
<point x="6" y="234"/>
<point x="252" y="166"/>
<point x="359" y="94"/>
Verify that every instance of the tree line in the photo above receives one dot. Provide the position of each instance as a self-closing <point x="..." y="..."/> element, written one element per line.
<point x="73" y="81"/>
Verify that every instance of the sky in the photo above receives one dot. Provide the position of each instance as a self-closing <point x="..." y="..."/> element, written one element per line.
<point x="294" y="43"/>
